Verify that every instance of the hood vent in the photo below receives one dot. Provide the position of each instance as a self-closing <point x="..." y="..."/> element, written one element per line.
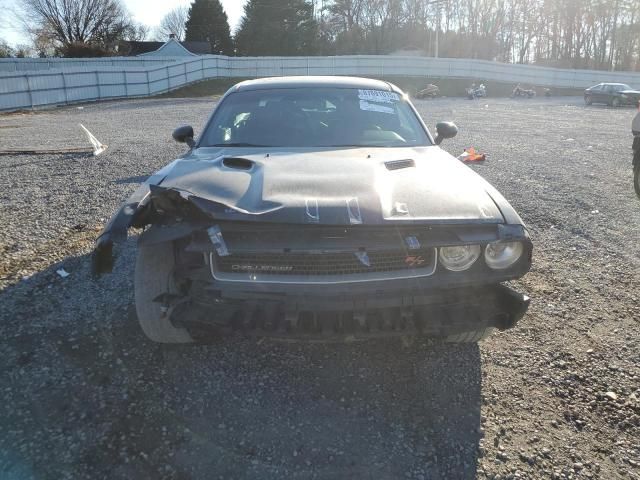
<point x="398" y="164"/>
<point x="237" y="163"/>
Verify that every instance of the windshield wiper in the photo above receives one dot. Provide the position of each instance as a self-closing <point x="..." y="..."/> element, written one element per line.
<point x="240" y="144"/>
<point x="348" y="145"/>
<point x="357" y="145"/>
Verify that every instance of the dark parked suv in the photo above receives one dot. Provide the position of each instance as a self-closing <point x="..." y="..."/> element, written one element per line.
<point x="614" y="94"/>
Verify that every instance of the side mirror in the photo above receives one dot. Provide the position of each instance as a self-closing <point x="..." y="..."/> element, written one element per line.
<point x="445" y="130"/>
<point x="184" y="134"/>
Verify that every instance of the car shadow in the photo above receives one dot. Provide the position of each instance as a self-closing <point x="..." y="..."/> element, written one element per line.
<point x="91" y="396"/>
<point x="133" y="179"/>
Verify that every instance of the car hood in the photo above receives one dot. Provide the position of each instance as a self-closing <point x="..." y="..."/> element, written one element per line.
<point x="331" y="187"/>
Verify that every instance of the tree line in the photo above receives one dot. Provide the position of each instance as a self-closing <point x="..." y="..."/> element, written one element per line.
<point x="599" y="34"/>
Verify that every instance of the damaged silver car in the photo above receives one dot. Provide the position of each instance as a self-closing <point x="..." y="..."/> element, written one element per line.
<point x="320" y="207"/>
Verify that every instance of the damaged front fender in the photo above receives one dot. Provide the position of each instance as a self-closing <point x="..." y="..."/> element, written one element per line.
<point x="126" y="217"/>
<point x="116" y="230"/>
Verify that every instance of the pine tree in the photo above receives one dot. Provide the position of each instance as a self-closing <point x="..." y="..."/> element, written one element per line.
<point x="207" y="22"/>
<point x="277" y="27"/>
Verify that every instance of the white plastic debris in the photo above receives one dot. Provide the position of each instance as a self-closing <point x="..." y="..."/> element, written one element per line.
<point x="98" y="147"/>
<point x="62" y="272"/>
<point x="590" y="147"/>
<point x="569" y="139"/>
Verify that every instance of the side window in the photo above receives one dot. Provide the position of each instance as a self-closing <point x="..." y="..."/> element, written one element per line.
<point x="610" y="89"/>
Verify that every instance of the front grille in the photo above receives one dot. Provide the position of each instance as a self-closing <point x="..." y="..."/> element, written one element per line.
<point x="327" y="264"/>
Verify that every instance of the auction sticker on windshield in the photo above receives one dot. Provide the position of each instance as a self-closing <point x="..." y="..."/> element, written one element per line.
<point x="378" y="96"/>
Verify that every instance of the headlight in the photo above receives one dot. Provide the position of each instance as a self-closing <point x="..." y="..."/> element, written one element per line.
<point x="502" y="254"/>
<point x="460" y="257"/>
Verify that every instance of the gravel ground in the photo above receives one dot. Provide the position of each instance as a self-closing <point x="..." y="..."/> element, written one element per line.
<point x="87" y="396"/>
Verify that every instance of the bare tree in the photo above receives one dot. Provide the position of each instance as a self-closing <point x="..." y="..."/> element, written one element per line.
<point x="173" y="23"/>
<point x="78" y="26"/>
<point x="603" y="34"/>
<point x="5" y="49"/>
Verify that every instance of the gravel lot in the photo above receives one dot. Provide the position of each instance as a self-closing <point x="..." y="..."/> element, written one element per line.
<point x="87" y="396"/>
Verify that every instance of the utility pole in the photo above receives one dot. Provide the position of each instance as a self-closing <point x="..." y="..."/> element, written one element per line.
<point x="438" y="4"/>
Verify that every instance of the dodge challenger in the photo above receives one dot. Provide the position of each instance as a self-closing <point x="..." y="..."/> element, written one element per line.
<point x="320" y="207"/>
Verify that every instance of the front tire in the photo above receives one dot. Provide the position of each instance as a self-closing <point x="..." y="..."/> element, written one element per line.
<point x="472" y="336"/>
<point x="153" y="277"/>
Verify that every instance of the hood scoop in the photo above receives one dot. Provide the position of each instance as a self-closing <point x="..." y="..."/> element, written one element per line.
<point x="237" y="163"/>
<point x="399" y="164"/>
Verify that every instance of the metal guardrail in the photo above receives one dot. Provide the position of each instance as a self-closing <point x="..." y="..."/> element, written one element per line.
<point x="86" y="83"/>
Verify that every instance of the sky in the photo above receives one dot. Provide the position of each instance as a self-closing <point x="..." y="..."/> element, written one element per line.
<point x="149" y="12"/>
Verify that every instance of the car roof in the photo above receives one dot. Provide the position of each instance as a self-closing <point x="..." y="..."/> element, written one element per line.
<point x="315" y="81"/>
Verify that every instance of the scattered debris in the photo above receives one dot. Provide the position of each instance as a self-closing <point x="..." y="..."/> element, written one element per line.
<point x="470" y="155"/>
<point x="44" y="151"/>
<point x="98" y="147"/>
<point x="62" y="272"/>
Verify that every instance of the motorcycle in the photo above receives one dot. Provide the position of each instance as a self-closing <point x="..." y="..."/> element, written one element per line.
<point x="431" y="91"/>
<point x="476" y="92"/>
<point x="523" y="92"/>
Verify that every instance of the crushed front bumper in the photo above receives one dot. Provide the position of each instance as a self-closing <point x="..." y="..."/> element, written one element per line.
<point x="438" y="312"/>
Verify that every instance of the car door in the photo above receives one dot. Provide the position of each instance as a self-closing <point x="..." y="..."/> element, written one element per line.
<point x="609" y="94"/>
<point x="595" y="93"/>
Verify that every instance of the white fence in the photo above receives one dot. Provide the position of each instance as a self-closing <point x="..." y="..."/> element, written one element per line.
<point x="28" y="64"/>
<point x="94" y="80"/>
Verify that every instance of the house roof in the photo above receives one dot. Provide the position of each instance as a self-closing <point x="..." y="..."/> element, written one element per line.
<point x="137" y="48"/>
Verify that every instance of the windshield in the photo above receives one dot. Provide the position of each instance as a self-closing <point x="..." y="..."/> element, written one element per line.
<point x="319" y="117"/>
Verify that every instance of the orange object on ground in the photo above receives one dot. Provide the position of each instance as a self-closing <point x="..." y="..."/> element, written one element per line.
<point x="470" y="155"/>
